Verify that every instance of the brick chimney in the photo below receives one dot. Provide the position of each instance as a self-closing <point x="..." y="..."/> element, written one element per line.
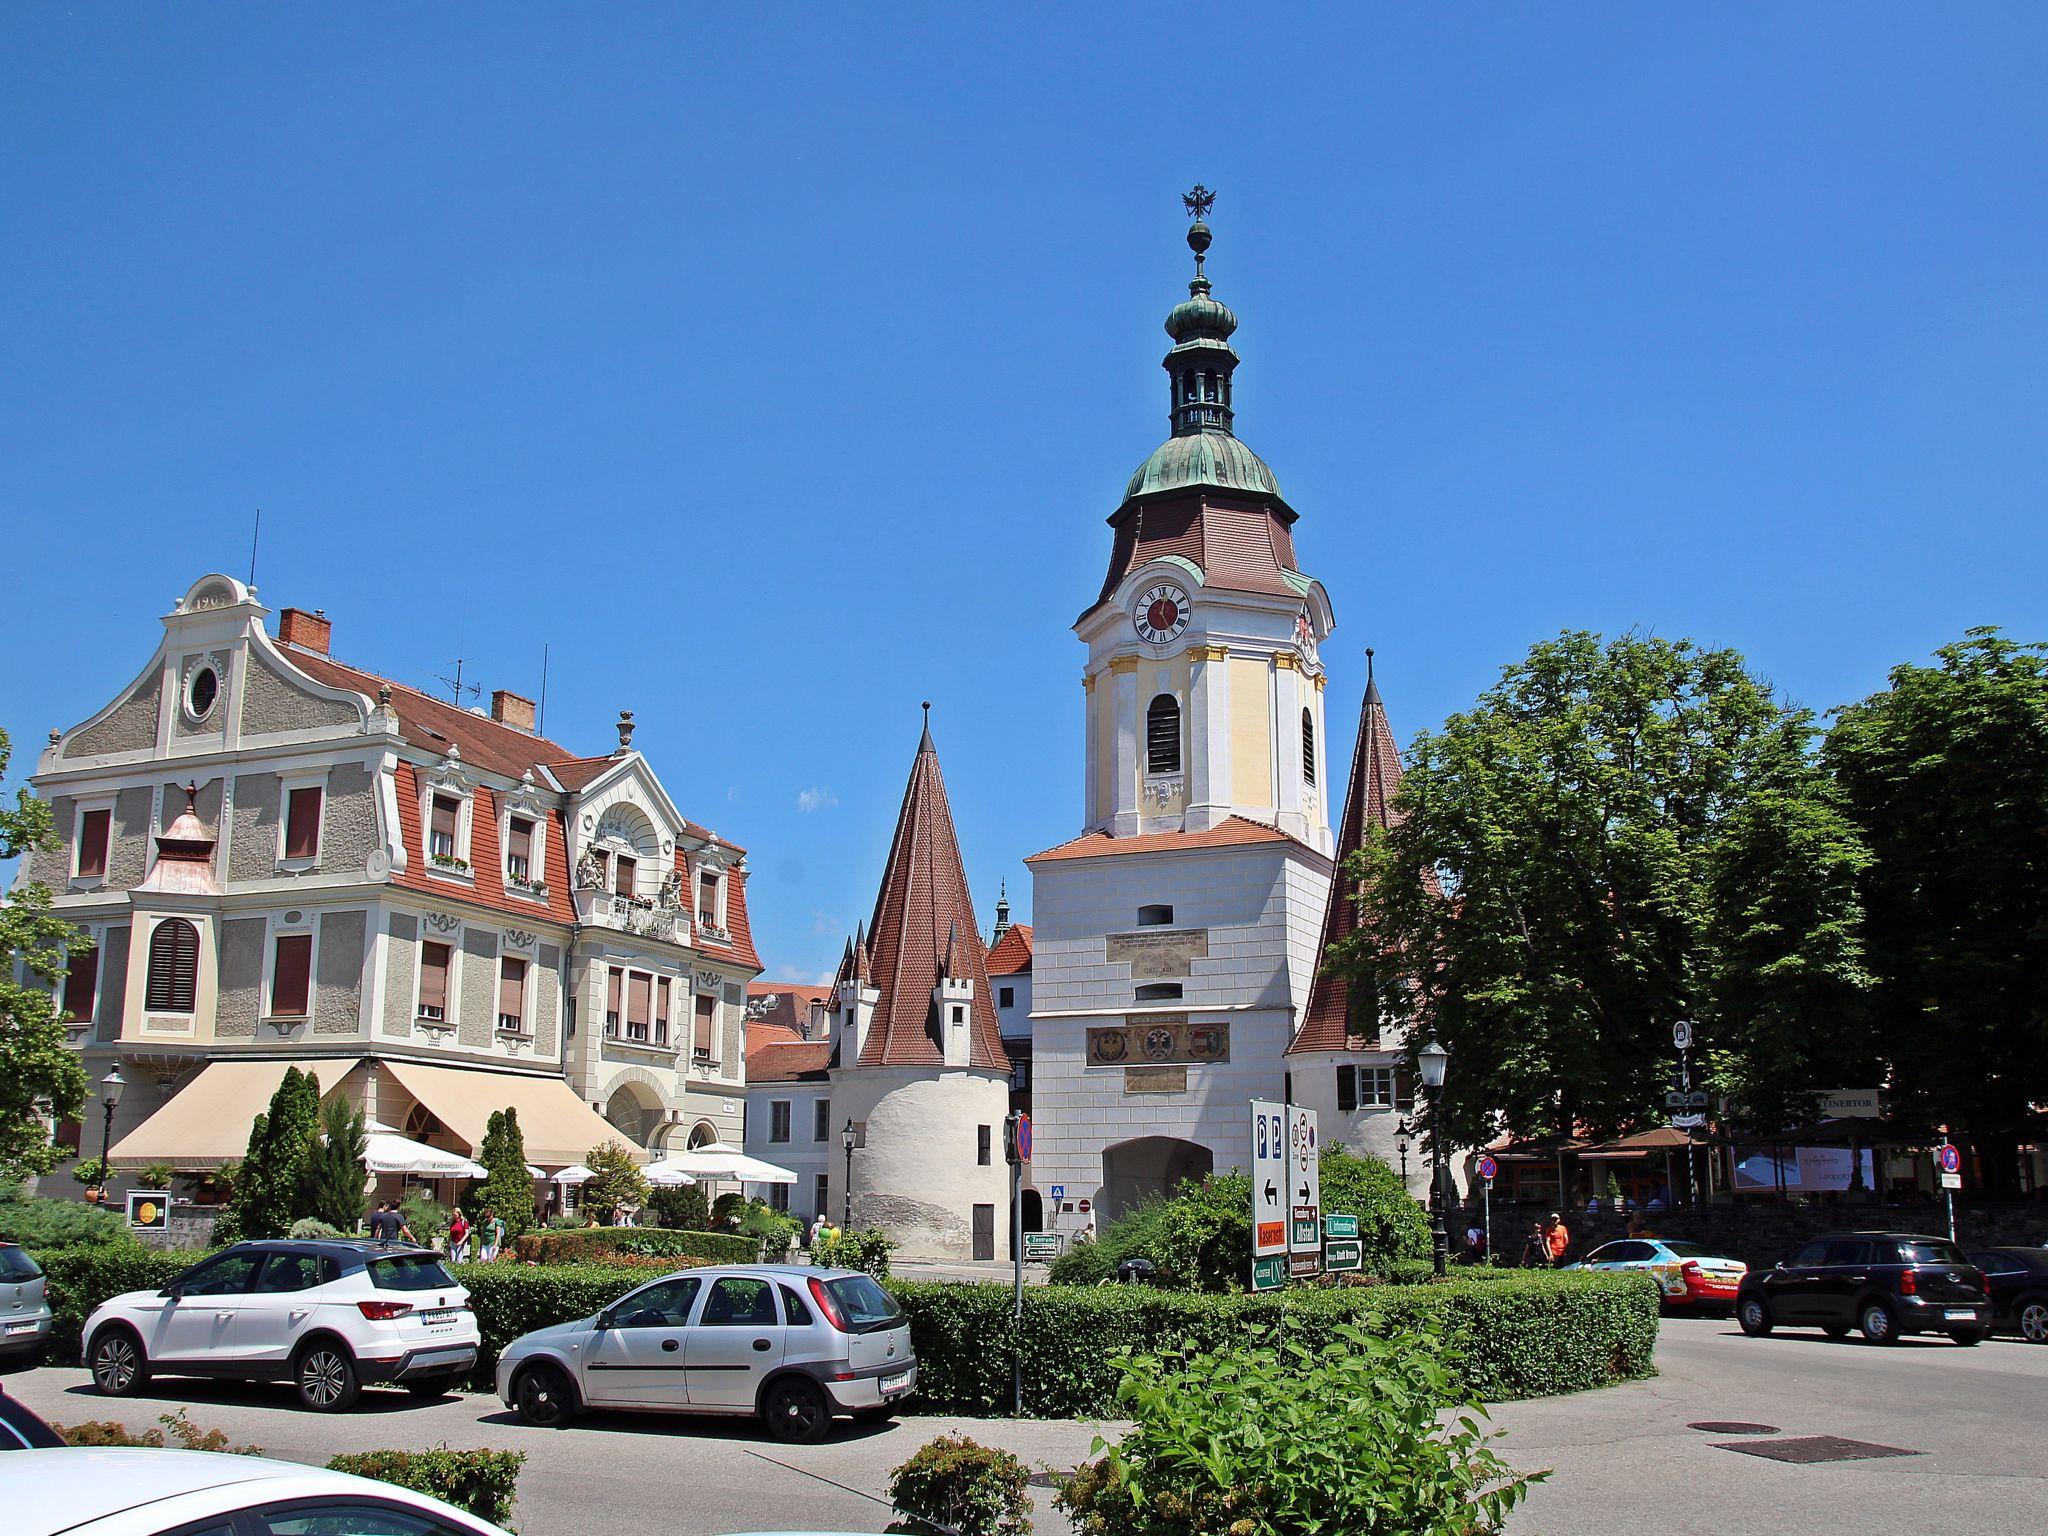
<point x="508" y="708"/>
<point x="309" y="631"/>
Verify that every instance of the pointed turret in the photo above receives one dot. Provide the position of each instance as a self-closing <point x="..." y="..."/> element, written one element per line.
<point x="922" y="909"/>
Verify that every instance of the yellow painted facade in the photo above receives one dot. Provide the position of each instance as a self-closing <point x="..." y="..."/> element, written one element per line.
<point x="1251" y="730"/>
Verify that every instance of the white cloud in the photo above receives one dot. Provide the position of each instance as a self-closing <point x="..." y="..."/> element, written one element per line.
<point x="816" y="798"/>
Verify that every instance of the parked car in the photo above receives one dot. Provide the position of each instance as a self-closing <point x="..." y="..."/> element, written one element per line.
<point x="330" y="1315"/>
<point x="128" y="1491"/>
<point x="1688" y="1274"/>
<point x="22" y="1428"/>
<point x="2018" y="1281"/>
<point x="795" y="1346"/>
<point x="1888" y="1284"/>
<point x="24" y="1309"/>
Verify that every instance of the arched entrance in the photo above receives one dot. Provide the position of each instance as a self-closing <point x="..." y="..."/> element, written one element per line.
<point x="702" y="1134"/>
<point x="1034" y="1211"/>
<point x="636" y="1111"/>
<point x="1136" y="1171"/>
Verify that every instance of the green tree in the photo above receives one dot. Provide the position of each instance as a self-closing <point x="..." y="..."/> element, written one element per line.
<point x="331" y="1188"/>
<point x="615" y="1180"/>
<point x="506" y="1188"/>
<point x="1946" y="772"/>
<point x="1621" y="834"/>
<point x="281" y="1144"/>
<point x="681" y="1207"/>
<point x="41" y="1077"/>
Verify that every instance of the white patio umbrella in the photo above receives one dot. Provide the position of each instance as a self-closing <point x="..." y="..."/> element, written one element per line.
<point x="385" y="1151"/>
<point x="716" y="1160"/>
<point x="664" y="1177"/>
<point x="576" y="1173"/>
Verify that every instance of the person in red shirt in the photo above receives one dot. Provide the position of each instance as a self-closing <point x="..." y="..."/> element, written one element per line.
<point x="1559" y="1237"/>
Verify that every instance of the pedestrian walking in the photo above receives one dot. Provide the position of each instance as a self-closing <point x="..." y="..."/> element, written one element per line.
<point x="384" y="1223"/>
<point x="1535" y="1248"/>
<point x="1559" y="1237"/>
<point x="493" y="1234"/>
<point x="458" y="1238"/>
<point x="817" y="1228"/>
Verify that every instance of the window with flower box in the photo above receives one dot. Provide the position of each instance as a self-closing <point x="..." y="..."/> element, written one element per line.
<point x="519" y="850"/>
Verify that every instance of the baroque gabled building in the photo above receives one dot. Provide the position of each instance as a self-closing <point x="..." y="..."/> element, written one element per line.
<point x="285" y="860"/>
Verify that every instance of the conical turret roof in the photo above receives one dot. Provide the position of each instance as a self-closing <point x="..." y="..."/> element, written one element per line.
<point x="923" y="912"/>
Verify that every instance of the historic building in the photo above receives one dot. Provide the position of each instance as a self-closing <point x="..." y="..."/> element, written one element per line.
<point x="286" y="860"/>
<point x="1176" y="940"/>
<point x="789" y="1094"/>
<point x="1009" y="972"/>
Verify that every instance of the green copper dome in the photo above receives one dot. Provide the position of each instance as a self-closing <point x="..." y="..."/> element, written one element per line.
<point x="1202" y="458"/>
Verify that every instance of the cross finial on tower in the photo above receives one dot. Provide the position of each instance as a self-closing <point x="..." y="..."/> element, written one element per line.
<point x="1198" y="202"/>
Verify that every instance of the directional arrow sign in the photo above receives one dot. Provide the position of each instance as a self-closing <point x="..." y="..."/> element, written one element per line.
<point x="1305" y="1180"/>
<point x="1269" y="1181"/>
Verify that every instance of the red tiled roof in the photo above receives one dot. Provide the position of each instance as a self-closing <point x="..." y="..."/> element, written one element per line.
<point x="738" y="925"/>
<point x="486" y="864"/>
<point x="1232" y="832"/>
<point x="1375" y="776"/>
<point x="803" y="1062"/>
<point x="1242" y="544"/>
<point x="923" y="910"/>
<point x="575" y="772"/>
<point x="1012" y="952"/>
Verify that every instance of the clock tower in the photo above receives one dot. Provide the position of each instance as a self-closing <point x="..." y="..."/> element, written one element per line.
<point x="1203" y="685"/>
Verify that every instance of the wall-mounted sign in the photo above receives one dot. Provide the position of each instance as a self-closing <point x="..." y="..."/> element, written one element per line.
<point x="1161" y="1039"/>
<point x="149" y="1210"/>
<point x="1155" y="1079"/>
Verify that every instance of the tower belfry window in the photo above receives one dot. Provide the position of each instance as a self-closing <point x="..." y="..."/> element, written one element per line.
<point x="1308" y="749"/>
<point x="1162" y="735"/>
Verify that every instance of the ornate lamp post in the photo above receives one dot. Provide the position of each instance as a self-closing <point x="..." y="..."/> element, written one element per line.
<point x="110" y="1095"/>
<point x="846" y="1141"/>
<point x="1401" y="1145"/>
<point x="1434" y="1059"/>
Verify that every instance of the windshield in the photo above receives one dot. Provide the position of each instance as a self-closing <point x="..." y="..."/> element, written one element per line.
<point x="17" y="1265"/>
<point x="409" y="1272"/>
<point x="1931" y="1253"/>
<point x="1690" y="1251"/>
<point x="866" y="1305"/>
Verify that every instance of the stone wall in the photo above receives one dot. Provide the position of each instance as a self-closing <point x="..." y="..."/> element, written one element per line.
<point x="241" y="977"/>
<point x="338" y="993"/>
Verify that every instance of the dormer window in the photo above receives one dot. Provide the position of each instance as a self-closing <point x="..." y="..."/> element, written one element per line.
<point x="707" y="899"/>
<point x="443" y="823"/>
<point x="625" y="875"/>
<point x="519" y="849"/>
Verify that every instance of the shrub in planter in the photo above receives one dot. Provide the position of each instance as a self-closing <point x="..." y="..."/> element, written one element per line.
<point x="1364" y="1449"/>
<point x="958" y="1483"/>
<point x="482" y="1482"/>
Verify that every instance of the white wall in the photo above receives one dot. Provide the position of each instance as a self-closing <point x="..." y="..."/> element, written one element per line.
<point x="916" y="1177"/>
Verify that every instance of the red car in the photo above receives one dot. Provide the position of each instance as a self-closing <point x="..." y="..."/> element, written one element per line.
<point x="1690" y="1276"/>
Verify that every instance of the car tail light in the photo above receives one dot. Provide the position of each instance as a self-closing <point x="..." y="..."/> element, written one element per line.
<point x="1690" y="1269"/>
<point x="383" y="1311"/>
<point x="1909" y="1283"/>
<point x="828" y="1305"/>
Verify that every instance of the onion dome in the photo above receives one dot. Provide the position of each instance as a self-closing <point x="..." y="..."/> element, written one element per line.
<point x="1205" y="458"/>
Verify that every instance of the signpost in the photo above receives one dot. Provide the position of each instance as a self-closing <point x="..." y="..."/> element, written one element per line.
<point x="1340" y="1226"/>
<point x="1269" y="1186"/>
<point x="1488" y="1171"/>
<point x="1304" y="1190"/>
<point x="1269" y="1274"/>
<point x="1950" y="1161"/>
<point x="1341" y="1254"/>
<point x="1041" y="1247"/>
<point x="1691" y="1116"/>
<point x="1059" y="1193"/>
<point x="1017" y="1152"/>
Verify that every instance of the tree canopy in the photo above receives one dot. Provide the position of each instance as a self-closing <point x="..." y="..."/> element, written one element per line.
<point x="506" y="1188"/>
<point x="281" y="1145"/>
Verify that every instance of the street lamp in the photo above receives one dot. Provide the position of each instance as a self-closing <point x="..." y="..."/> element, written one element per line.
<point x="1401" y="1145"/>
<point x="110" y="1095"/>
<point x="1434" y="1058"/>
<point x="846" y="1141"/>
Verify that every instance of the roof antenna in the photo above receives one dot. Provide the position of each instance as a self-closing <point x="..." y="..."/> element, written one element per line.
<point x="254" y="535"/>
<point x="540" y="721"/>
<point x="455" y="683"/>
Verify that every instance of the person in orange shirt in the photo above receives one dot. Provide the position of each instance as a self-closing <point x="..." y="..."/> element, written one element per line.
<point x="1560" y="1238"/>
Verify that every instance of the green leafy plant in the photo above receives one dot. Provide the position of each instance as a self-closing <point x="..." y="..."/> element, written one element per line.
<point x="90" y="1171"/>
<point x="615" y="1179"/>
<point x="425" y="1218"/>
<point x="865" y="1249"/>
<point x="681" y="1207"/>
<point x="506" y="1188"/>
<point x="596" y="1244"/>
<point x="1614" y="1190"/>
<point x="484" y="1482"/>
<point x="310" y="1227"/>
<point x="331" y="1187"/>
<point x="156" y="1176"/>
<point x="177" y="1431"/>
<point x="727" y="1210"/>
<point x="281" y="1144"/>
<point x="961" y="1485"/>
<point x="1284" y="1439"/>
<point x="775" y="1231"/>
<point x="46" y="1225"/>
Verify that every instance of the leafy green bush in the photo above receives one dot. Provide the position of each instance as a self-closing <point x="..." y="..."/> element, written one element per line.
<point x="681" y="1207"/>
<point x="514" y="1299"/>
<point x="615" y="1180"/>
<point x="83" y="1277"/>
<point x="155" y="1176"/>
<point x="1284" y="1439"/>
<point x="482" y="1482"/>
<point x="727" y="1210"/>
<point x="309" y="1226"/>
<point x="182" y="1433"/>
<point x="426" y="1219"/>
<point x="958" y="1483"/>
<point x="1510" y="1335"/>
<point x="331" y="1183"/>
<point x="506" y="1190"/>
<point x="1139" y="1233"/>
<point x="585" y="1245"/>
<point x="89" y="1171"/>
<point x="1392" y="1224"/>
<point x="866" y="1249"/>
<point x="774" y="1232"/>
<point x="46" y="1225"/>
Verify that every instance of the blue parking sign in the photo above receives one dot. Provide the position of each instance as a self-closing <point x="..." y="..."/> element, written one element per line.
<point x="1059" y="1192"/>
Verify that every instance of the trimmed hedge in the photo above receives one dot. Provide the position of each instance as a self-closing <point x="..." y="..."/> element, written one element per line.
<point x="514" y="1299"/>
<point x="586" y="1245"/>
<point x="482" y="1482"/>
<point x="82" y="1278"/>
<point x="1514" y="1336"/>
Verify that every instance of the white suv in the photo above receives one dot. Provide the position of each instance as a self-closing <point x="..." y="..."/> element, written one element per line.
<point x="329" y="1315"/>
<point x="793" y="1345"/>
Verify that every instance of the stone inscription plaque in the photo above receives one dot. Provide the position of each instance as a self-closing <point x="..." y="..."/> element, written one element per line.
<point x="1161" y="956"/>
<point x="1159" y="1039"/>
<point x="1155" y="1080"/>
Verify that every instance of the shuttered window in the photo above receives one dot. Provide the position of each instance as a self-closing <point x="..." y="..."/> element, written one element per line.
<point x="434" y="980"/>
<point x="291" y="975"/>
<point x="614" y="980"/>
<point x="661" y="1005"/>
<point x="173" y="979"/>
<point x="778" y="1120"/>
<point x="707" y="1011"/>
<point x="1308" y="749"/>
<point x="81" y="981"/>
<point x="639" y="995"/>
<point x="511" y="993"/>
<point x="1162" y="735"/>
<point x="441" y="827"/>
<point x="92" y="842"/>
<point x="519" y="849"/>
<point x="627" y="876"/>
<point x="302" y="823"/>
<point x="707" y="899"/>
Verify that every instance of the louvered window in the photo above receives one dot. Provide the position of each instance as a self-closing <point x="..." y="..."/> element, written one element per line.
<point x="707" y="1018"/>
<point x="1308" y="749"/>
<point x="1162" y="735"/>
<point x="707" y="900"/>
<point x="639" y="1004"/>
<point x="614" y="984"/>
<point x="302" y="824"/>
<point x="173" y="980"/>
<point x="519" y="849"/>
<point x="627" y="875"/>
<point x="291" y="975"/>
<point x="661" y="996"/>
<point x="512" y="993"/>
<point x="81" y="981"/>
<point x="446" y="819"/>
<point x="92" y="843"/>
<point x="434" y="960"/>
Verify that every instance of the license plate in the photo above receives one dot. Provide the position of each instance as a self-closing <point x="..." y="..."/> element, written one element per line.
<point x="1959" y="1315"/>
<point x="27" y="1327"/>
<point x="898" y="1383"/>
<point x="437" y="1319"/>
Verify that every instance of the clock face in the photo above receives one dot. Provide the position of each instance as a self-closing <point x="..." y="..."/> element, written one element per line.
<point x="1161" y="613"/>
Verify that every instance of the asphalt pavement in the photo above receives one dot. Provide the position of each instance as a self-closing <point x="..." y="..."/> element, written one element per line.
<point x="1624" y="1460"/>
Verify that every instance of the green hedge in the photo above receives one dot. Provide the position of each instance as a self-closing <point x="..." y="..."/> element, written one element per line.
<point x="1528" y="1335"/>
<point x="514" y="1299"/>
<point x="482" y="1482"/>
<point x="82" y="1278"/>
<point x="589" y="1245"/>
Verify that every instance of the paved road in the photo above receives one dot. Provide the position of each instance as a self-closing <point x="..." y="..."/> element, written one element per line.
<point x="1624" y="1460"/>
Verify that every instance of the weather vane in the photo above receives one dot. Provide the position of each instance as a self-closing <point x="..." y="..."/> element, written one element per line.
<point x="1198" y="202"/>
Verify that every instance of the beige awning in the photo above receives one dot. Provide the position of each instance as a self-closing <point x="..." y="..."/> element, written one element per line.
<point x="558" y="1127"/>
<point x="207" y="1121"/>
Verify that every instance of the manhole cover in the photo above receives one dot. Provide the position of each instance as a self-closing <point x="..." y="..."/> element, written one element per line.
<point x="1733" y="1427"/>
<point x="1805" y="1449"/>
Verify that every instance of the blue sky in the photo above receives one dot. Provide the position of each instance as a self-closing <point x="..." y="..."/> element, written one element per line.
<point x="778" y="371"/>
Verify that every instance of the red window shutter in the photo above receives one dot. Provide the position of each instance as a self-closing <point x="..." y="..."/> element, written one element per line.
<point x="511" y="989"/>
<point x="705" y="1006"/>
<point x="614" y="979"/>
<point x="291" y="975"/>
<point x="302" y="824"/>
<point x="434" y="978"/>
<point x="80" y="982"/>
<point x="661" y="995"/>
<point x="172" y="984"/>
<point x="92" y="842"/>
<point x="638" y="1003"/>
<point x="628" y="869"/>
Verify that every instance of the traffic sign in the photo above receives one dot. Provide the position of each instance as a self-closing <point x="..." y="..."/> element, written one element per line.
<point x="1690" y="1122"/>
<point x="1950" y="1159"/>
<point x="1304" y="1189"/>
<point x="1340" y="1226"/>
<point x="1694" y="1100"/>
<point x="1681" y="1035"/>
<point x="1041" y="1247"/>
<point x="1489" y="1170"/>
<point x="1305" y="1266"/>
<point x="1059" y="1192"/>
<point x="1951" y="1181"/>
<point x="1017" y="1139"/>
<point x="1269" y="1178"/>
<point x="1269" y="1274"/>
<point x="1343" y="1254"/>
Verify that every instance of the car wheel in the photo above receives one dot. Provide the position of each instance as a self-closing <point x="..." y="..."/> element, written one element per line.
<point x="119" y="1368"/>
<point x="1754" y="1316"/>
<point x="1968" y="1336"/>
<point x="326" y="1377"/>
<point x="543" y="1396"/>
<point x="796" y="1411"/>
<point x="1878" y="1324"/>
<point x="2033" y="1321"/>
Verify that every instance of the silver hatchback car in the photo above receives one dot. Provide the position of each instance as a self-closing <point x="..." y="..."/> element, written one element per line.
<point x="796" y="1346"/>
<point x="24" y="1309"/>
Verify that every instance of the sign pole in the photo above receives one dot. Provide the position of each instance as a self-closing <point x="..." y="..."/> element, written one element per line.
<point x="1017" y="1139"/>
<point x="1486" y="1206"/>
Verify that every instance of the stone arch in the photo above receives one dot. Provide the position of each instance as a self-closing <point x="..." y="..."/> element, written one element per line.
<point x="1148" y="1166"/>
<point x="635" y="1109"/>
<point x="702" y="1134"/>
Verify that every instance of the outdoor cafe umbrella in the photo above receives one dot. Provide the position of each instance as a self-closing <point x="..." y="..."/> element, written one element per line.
<point x="716" y="1160"/>
<point x="385" y="1151"/>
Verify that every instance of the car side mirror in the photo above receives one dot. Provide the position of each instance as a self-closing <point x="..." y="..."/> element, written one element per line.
<point x="1779" y="1265"/>
<point x="602" y="1321"/>
<point x="170" y="1293"/>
